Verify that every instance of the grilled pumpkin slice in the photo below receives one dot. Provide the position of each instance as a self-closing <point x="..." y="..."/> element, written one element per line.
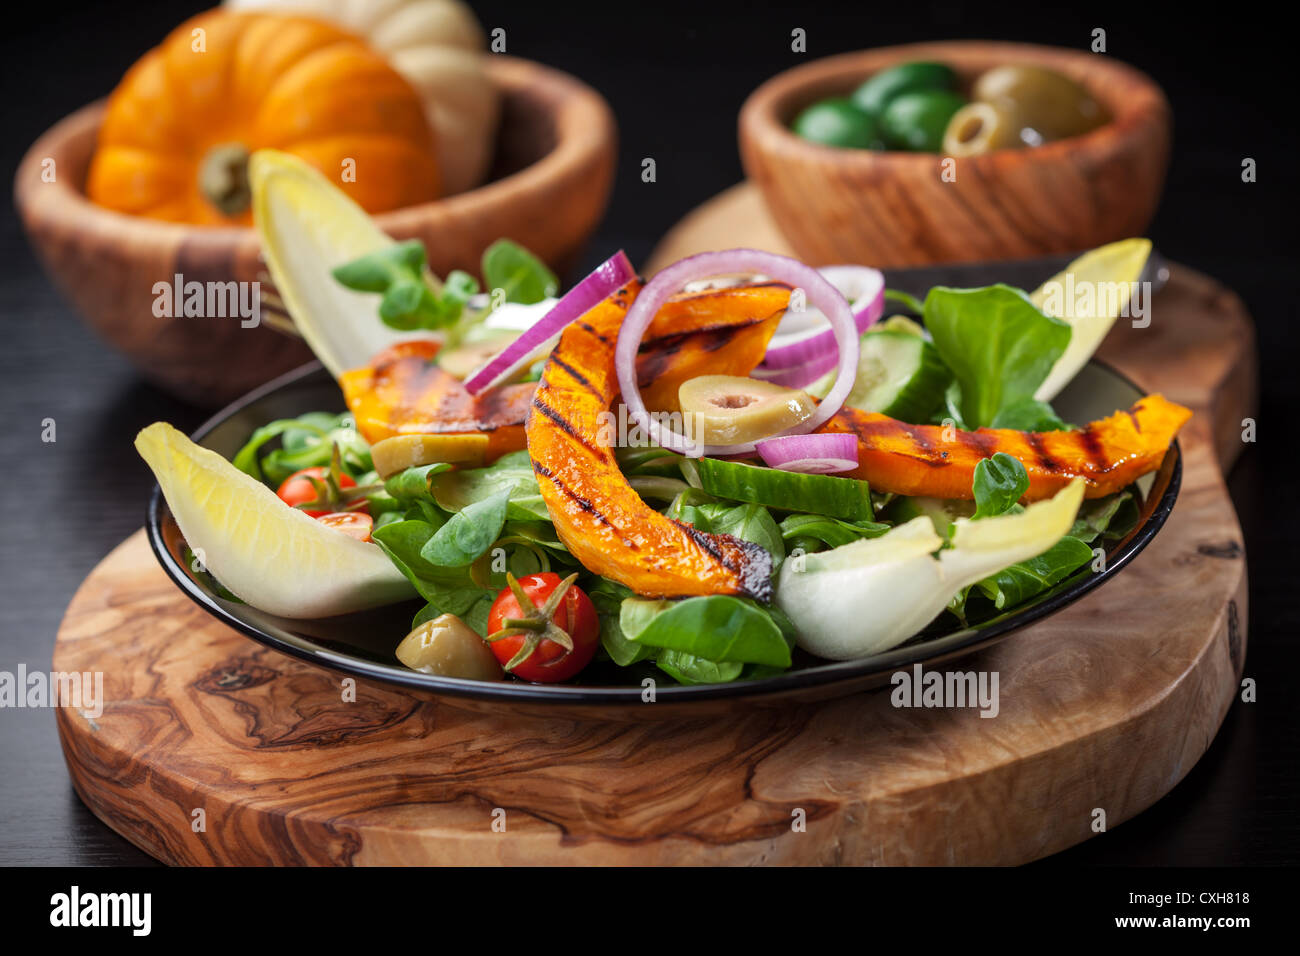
<point x="402" y="391"/>
<point x="918" y="460"/>
<point x="598" y="516"/>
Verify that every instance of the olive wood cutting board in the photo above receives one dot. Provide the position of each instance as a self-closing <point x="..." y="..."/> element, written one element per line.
<point x="1106" y="705"/>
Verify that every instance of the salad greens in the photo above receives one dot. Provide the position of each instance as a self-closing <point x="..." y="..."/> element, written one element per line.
<point x="999" y="483"/>
<point x="305" y="442"/>
<point x="413" y="298"/>
<point x="455" y="533"/>
<point x="523" y="277"/>
<point x="998" y="344"/>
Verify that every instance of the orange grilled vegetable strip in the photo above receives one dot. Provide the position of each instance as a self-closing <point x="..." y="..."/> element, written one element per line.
<point x="401" y="391"/>
<point x="917" y="459"/>
<point x="604" y="523"/>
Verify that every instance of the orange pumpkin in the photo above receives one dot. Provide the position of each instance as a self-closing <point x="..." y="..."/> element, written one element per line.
<point x="180" y="126"/>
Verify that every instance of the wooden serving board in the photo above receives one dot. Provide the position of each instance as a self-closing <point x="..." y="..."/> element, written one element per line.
<point x="1106" y="705"/>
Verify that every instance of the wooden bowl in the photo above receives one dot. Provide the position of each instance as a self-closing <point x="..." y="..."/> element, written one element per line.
<point x="550" y="181"/>
<point x="894" y="209"/>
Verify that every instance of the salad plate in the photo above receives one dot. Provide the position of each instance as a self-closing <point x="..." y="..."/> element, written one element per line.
<point x="361" y="644"/>
<point x="743" y="479"/>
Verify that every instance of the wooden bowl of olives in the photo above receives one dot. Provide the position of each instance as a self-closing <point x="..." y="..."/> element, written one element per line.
<point x="957" y="151"/>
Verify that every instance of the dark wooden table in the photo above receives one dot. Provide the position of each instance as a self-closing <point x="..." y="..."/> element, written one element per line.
<point x="71" y="501"/>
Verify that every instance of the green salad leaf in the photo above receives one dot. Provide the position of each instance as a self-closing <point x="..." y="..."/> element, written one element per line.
<point x="1111" y="517"/>
<point x="905" y="299"/>
<point x="469" y="533"/>
<point x="523" y="277"/>
<point x="999" y="345"/>
<point x="1000" y="482"/>
<point x="717" y="628"/>
<point x="410" y="297"/>
<point x="1020" y="582"/>
<point x="689" y="669"/>
<point x="831" y="532"/>
<point x="448" y="590"/>
<point x="512" y="473"/>
<point x="1029" y="415"/>
<point x="648" y="460"/>
<point x="608" y="597"/>
<point x="304" y="442"/>
<point x="412" y="484"/>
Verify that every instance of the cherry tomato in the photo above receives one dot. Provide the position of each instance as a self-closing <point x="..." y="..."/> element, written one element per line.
<point x="297" y="489"/>
<point x="533" y="654"/>
<point x="357" y="524"/>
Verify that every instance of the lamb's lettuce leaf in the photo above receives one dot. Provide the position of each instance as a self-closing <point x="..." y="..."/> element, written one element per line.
<point x="716" y="627"/>
<point x="1000" y="482"/>
<point x="512" y="473"/>
<point x="523" y="277"/>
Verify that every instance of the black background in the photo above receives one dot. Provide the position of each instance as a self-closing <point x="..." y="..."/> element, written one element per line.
<point x="676" y="74"/>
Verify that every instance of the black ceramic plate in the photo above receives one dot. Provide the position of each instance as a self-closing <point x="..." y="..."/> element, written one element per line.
<point x="362" y="644"/>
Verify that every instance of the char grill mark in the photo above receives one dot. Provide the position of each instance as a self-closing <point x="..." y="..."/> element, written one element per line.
<point x="1045" y="461"/>
<point x="583" y="503"/>
<point x="567" y="427"/>
<point x="576" y="376"/>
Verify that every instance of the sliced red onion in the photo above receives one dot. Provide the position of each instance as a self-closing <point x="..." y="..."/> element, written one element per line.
<point x="862" y="286"/>
<point x="610" y="276"/>
<point x="811" y="454"/>
<point x="798" y="376"/>
<point x="820" y="293"/>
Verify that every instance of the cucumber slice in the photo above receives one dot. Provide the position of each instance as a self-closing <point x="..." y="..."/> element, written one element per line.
<point x="847" y="498"/>
<point x="899" y="375"/>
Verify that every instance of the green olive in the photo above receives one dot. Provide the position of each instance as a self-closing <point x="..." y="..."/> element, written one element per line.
<point x="448" y="647"/>
<point x="878" y="91"/>
<point x="979" y="128"/>
<point x="1050" y="106"/>
<point x="917" y="121"/>
<point x="729" y="409"/>
<point x="837" y="122"/>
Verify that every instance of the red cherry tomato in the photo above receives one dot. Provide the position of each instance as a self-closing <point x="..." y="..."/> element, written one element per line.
<point x="296" y="489"/>
<point x="547" y="661"/>
<point x="357" y="524"/>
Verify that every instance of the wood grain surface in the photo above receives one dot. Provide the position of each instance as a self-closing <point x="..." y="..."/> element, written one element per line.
<point x="902" y="209"/>
<point x="548" y="189"/>
<point x="1106" y="705"/>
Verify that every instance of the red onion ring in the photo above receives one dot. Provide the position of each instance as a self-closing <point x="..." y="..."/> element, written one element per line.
<point x="865" y="287"/>
<point x="797" y="376"/>
<point x="820" y="293"/>
<point x="811" y="454"/>
<point x="607" y="278"/>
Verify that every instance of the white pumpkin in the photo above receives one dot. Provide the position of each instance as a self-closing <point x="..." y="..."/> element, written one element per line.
<point x="437" y="45"/>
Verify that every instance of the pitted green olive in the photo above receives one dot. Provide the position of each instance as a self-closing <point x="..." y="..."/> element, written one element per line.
<point x="1049" y="105"/>
<point x="979" y="128"/>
